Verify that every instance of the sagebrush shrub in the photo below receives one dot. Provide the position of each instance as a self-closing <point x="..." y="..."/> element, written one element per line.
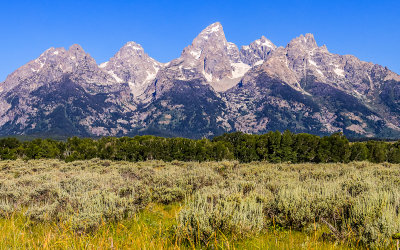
<point x="215" y="211"/>
<point x="357" y="202"/>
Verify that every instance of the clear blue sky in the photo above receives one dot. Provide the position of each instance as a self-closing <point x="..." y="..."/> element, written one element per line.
<point x="367" y="29"/>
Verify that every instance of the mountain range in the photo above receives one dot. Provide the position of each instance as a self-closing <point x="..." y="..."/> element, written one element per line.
<point x="212" y="88"/>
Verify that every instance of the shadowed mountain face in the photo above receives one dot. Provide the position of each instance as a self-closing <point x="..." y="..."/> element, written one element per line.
<point x="212" y="88"/>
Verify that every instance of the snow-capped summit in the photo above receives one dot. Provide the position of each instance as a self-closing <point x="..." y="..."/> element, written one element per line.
<point x="210" y="58"/>
<point x="133" y="66"/>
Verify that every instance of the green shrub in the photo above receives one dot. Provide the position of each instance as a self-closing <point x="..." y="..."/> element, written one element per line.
<point x="214" y="212"/>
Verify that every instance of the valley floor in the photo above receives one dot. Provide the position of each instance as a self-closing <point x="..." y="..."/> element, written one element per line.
<point x="179" y="205"/>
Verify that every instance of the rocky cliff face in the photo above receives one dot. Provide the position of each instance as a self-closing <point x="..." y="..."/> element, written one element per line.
<point x="133" y="66"/>
<point x="213" y="87"/>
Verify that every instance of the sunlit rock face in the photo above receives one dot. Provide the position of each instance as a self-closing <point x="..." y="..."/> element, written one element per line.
<point x="212" y="88"/>
<point x="133" y="66"/>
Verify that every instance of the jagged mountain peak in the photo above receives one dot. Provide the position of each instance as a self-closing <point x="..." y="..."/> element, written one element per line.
<point x="77" y="51"/>
<point x="233" y="52"/>
<point x="60" y="55"/>
<point x="210" y="37"/>
<point x="133" y="45"/>
<point x="304" y="41"/>
<point x="54" y="65"/>
<point x="256" y="52"/>
<point x="54" y="55"/>
<point x="264" y="42"/>
<point x="213" y="29"/>
<point x="133" y="66"/>
<point x="129" y="51"/>
<point x="210" y="53"/>
<point x="51" y="60"/>
<point x="53" y="52"/>
<point x="210" y="59"/>
<point x="214" y="59"/>
<point x="76" y="47"/>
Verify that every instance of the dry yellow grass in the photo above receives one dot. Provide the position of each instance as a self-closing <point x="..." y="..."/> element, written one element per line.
<point x="226" y="205"/>
<point x="152" y="228"/>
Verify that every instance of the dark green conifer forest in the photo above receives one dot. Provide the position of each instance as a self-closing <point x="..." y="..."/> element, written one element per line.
<point x="272" y="147"/>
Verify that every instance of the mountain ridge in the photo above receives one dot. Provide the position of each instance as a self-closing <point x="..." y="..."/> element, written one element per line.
<point x="211" y="88"/>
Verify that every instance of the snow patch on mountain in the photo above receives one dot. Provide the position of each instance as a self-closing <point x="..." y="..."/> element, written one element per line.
<point x="239" y="69"/>
<point x="196" y="53"/>
<point x="103" y="65"/>
<point x="119" y="80"/>
<point x="339" y="72"/>
<point x="312" y="63"/>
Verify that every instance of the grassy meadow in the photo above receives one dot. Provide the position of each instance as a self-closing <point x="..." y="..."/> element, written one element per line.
<point x="99" y="204"/>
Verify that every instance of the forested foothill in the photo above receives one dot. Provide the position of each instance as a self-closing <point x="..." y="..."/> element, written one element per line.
<point x="274" y="147"/>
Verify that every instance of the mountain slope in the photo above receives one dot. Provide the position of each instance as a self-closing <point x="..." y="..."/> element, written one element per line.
<point x="63" y="92"/>
<point x="213" y="87"/>
<point x="342" y="93"/>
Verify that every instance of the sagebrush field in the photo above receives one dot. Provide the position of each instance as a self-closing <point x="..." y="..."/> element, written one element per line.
<point x="153" y="204"/>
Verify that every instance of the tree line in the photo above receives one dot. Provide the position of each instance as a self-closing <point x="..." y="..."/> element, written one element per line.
<point x="271" y="147"/>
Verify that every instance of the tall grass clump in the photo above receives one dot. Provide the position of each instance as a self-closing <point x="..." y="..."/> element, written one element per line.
<point x="215" y="212"/>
